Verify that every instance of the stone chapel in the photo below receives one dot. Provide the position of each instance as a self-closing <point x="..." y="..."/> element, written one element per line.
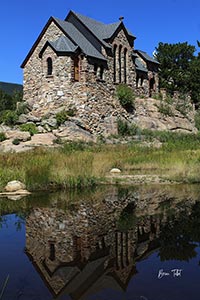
<point x="80" y="61"/>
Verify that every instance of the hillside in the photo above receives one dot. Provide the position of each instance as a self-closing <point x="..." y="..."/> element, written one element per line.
<point x="10" y="88"/>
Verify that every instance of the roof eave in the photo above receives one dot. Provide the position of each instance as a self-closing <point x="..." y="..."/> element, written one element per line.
<point x="36" y="42"/>
<point x="147" y="60"/>
<point x="51" y="19"/>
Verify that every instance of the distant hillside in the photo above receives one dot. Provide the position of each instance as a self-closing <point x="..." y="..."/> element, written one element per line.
<point x="10" y="88"/>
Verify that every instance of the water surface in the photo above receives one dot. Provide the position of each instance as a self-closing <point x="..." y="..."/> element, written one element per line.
<point x="137" y="243"/>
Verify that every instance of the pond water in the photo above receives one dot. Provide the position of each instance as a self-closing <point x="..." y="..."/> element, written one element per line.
<point x="113" y="243"/>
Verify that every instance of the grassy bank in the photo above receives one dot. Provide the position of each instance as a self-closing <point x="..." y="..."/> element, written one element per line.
<point x="77" y="165"/>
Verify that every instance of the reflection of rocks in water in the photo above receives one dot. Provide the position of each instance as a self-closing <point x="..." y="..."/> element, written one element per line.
<point x="94" y="246"/>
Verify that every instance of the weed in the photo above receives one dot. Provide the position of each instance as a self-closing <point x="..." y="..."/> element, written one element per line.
<point x="126" y="96"/>
<point x="30" y="127"/>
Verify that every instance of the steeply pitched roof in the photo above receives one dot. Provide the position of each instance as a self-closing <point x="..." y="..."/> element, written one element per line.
<point x="100" y="30"/>
<point x="79" y="39"/>
<point x="63" y="44"/>
<point x="74" y="38"/>
<point x="140" y="66"/>
<point x="146" y="57"/>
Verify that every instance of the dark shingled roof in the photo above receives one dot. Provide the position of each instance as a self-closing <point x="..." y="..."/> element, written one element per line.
<point x="63" y="44"/>
<point x="79" y="39"/>
<point x="73" y="38"/>
<point x="101" y="30"/>
<point x="140" y="66"/>
<point x="146" y="56"/>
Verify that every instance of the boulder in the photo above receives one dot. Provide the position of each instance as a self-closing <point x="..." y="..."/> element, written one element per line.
<point x="17" y="134"/>
<point x="15" y="185"/>
<point x="72" y="132"/>
<point x="41" y="139"/>
<point x="115" y="171"/>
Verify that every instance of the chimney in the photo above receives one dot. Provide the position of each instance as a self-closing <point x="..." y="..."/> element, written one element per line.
<point x="121" y="18"/>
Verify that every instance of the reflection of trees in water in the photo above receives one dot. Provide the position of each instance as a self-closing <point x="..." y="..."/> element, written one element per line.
<point x="179" y="238"/>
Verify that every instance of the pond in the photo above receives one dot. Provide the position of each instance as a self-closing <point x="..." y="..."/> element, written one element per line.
<point x="112" y="243"/>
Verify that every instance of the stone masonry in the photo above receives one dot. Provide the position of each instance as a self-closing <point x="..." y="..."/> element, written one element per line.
<point x="79" y="62"/>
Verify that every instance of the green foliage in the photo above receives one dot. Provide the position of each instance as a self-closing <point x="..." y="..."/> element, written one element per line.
<point x="9" y="117"/>
<point x="61" y="117"/>
<point x="71" y="111"/>
<point x="183" y="106"/>
<point x="165" y="108"/>
<point x="2" y="136"/>
<point x="194" y="82"/>
<point x="197" y="119"/>
<point x="126" y="96"/>
<point x="125" y="129"/>
<point x="8" y="102"/>
<point x="175" y="61"/>
<point x="37" y="172"/>
<point x="22" y="108"/>
<point x="16" y="141"/>
<point x="30" y="127"/>
<point x="70" y="147"/>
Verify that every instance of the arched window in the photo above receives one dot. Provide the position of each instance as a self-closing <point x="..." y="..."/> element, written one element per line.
<point x="120" y="64"/>
<point x="114" y="63"/>
<point x="95" y="69"/>
<point x="76" y="69"/>
<point x="125" y="65"/>
<point x="49" y="66"/>
<point x="101" y="72"/>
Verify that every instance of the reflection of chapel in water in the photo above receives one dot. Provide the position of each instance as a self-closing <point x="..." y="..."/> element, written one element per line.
<point x="95" y="246"/>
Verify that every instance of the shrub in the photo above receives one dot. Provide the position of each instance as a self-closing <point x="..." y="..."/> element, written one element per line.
<point x="22" y="108"/>
<point x="165" y="109"/>
<point x="125" y="129"/>
<point x="30" y="127"/>
<point x="71" y="112"/>
<point x="9" y="117"/>
<point x="61" y="117"/>
<point x="2" y="136"/>
<point x="16" y="141"/>
<point x="70" y="147"/>
<point x="126" y="96"/>
<point x="197" y="119"/>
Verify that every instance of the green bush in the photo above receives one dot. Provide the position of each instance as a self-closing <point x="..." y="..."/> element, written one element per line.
<point x="197" y="119"/>
<point x="71" y="112"/>
<point x="126" y="96"/>
<point x="22" y="108"/>
<point x="61" y="117"/>
<point x="165" y="109"/>
<point x="30" y="127"/>
<point x="9" y="117"/>
<point x="2" y="136"/>
<point x="124" y="129"/>
<point x="16" y="142"/>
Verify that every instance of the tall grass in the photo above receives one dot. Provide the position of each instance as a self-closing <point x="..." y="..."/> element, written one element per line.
<point x="79" y="165"/>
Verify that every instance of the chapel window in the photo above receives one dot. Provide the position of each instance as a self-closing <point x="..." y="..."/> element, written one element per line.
<point x="95" y="69"/>
<point x="114" y="63"/>
<point x="101" y="72"/>
<point x="120" y="64"/>
<point x="49" y="66"/>
<point x="76" y="69"/>
<point x="125" y="65"/>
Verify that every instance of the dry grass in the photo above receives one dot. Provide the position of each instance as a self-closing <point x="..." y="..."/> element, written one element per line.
<point x="78" y="166"/>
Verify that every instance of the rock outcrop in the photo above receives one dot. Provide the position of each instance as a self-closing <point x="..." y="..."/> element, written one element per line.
<point x="97" y="119"/>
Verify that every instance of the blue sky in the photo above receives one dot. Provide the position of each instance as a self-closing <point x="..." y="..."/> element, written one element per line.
<point x="154" y="21"/>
